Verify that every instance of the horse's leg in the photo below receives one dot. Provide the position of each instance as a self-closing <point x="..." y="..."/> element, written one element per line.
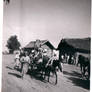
<point x="88" y="71"/>
<point x="56" y="77"/>
<point x="60" y="67"/>
<point x="42" y="73"/>
<point x="48" y="72"/>
<point x="45" y="73"/>
<point x="42" y="70"/>
<point x="48" y="76"/>
<point x="77" y="63"/>
<point x="81" y="67"/>
<point x="84" y="70"/>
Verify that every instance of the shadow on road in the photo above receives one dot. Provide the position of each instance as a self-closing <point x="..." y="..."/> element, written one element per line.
<point x="14" y="68"/>
<point x="9" y="67"/>
<point x="36" y="75"/>
<point x="17" y="75"/>
<point x="73" y="73"/>
<point x="77" y="80"/>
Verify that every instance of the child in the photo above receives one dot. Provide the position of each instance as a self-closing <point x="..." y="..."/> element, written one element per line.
<point x="17" y="62"/>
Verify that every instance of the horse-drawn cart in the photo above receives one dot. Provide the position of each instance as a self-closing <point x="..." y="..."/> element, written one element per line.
<point x="41" y="64"/>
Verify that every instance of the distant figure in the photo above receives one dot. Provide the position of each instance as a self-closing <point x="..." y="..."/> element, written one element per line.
<point x="68" y="58"/>
<point x="72" y="59"/>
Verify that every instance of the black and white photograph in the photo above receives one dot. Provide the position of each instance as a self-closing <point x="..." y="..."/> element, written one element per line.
<point x="46" y="46"/>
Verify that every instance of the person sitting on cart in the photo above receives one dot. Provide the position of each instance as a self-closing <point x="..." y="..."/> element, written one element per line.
<point x="38" y="57"/>
<point x="50" y="61"/>
<point x="45" y="57"/>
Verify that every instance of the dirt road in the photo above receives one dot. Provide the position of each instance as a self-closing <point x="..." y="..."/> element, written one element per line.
<point x="68" y="81"/>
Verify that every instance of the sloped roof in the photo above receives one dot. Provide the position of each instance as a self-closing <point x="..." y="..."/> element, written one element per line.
<point x="42" y="42"/>
<point x="83" y="44"/>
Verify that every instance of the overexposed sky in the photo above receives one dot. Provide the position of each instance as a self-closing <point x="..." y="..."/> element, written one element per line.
<point x="46" y="19"/>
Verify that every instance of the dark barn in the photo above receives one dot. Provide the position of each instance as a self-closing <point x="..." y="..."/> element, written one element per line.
<point x="72" y="46"/>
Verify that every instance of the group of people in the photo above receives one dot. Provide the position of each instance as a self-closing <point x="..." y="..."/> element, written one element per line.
<point x="24" y="60"/>
<point x="21" y="58"/>
<point x="70" y="59"/>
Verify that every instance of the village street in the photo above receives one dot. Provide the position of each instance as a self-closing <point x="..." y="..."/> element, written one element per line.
<point x="68" y="81"/>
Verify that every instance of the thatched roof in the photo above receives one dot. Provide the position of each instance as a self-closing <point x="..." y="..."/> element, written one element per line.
<point x="79" y="44"/>
<point x="42" y="42"/>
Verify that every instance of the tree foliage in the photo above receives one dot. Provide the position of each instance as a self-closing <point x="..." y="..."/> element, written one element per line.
<point x="13" y="44"/>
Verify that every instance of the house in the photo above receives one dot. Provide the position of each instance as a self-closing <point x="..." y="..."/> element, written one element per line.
<point x="73" y="46"/>
<point x="44" y="44"/>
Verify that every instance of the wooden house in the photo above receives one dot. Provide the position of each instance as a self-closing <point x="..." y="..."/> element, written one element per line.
<point x="44" y="44"/>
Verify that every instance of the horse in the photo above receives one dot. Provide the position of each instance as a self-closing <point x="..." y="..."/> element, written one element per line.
<point x="46" y="70"/>
<point x="53" y="68"/>
<point x="84" y="65"/>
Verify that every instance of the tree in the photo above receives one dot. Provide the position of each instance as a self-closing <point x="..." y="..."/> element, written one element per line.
<point x="13" y="44"/>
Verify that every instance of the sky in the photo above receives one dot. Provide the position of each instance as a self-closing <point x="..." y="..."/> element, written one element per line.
<point x="46" y="20"/>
